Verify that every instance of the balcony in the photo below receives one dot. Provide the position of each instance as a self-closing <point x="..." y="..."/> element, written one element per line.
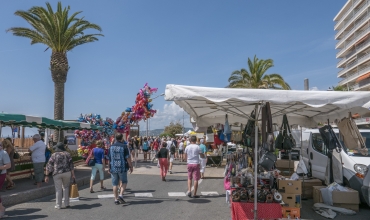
<point x="353" y="41"/>
<point x="358" y="24"/>
<point x="362" y="84"/>
<point x="358" y="61"/>
<point x="355" y="15"/>
<point x="346" y="14"/>
<point x="352" y="76"/>
<point x="358" y="49"/>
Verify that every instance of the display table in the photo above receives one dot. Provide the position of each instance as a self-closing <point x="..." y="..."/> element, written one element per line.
<point x="244" y="210"/>
<point x="214" y="160"/>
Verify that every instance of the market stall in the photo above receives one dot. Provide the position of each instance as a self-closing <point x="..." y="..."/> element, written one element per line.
<point x="23" y="165"/>
<point x="208" y="106"/>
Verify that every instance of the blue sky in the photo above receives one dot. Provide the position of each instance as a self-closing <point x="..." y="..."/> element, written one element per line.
<point x="163" y="42"/>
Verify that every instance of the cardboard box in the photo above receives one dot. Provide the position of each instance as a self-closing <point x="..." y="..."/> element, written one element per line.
<point x="284" y="164"/>
<point x="317" y="194"/>
<point x="292" y="213"/>
<point x="348" y="200"/>
<point x="307" y="187"/>
<point x="292" y="200"/>
<point x="290" y="186"/>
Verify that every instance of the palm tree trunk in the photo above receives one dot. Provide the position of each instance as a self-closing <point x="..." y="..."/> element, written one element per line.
<point x="59" y="70"/>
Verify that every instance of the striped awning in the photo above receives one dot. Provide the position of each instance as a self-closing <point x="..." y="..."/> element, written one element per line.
<point x="367" y="75"/>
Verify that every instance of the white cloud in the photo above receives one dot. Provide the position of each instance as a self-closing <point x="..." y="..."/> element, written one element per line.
<point x="314" y="88"/>
<point x="170" y="112"/>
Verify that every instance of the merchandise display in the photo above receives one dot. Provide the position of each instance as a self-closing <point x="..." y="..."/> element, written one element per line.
<point x="142" y="110"/>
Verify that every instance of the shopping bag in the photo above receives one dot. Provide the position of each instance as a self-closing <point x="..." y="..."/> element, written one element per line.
<point x="73" y="190"/>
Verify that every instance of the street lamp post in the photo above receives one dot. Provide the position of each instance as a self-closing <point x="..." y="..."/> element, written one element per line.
<point x="147" y="121"/>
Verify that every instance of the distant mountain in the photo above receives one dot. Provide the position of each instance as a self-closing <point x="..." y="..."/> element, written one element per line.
<point x="157" y="132"/>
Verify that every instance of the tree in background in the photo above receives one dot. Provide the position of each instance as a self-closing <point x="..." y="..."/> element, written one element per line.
<point x="173" y="128"/>
<point x="61" y="33"/>
<point x="256" y="78"/>
<point x="340" y="88"/>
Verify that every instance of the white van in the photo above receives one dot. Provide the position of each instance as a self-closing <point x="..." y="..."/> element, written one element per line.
<point x="355" y="166"/>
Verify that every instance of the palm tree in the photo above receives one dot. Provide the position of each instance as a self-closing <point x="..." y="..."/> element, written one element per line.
<point x="61" y="33"/>
<point x="256" y="77"/>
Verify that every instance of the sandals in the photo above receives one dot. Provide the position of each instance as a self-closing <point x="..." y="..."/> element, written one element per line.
<point x="11" y="186"/>
<point x="103" y="188"/>
<point x="91" y="190"/>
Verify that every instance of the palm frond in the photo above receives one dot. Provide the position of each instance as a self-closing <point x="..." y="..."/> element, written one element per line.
<point x="55" y="28"/>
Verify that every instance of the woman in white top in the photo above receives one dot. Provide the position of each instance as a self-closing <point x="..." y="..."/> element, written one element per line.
<point x="4" y="165"/>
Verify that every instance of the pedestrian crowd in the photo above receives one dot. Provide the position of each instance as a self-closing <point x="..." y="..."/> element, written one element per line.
<point x="117" y="160"/>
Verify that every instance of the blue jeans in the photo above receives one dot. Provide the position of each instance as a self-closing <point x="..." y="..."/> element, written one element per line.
<point x="116" y="177"/>
<point x="96" y="167"/>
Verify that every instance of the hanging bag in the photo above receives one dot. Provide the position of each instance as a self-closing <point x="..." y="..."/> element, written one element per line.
<point x="73" y="190"/>
<point x="285" y="140"/>
<point x="90" y="161"/>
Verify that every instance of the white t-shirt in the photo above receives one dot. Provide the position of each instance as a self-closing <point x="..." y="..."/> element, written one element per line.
<point x="181" y="146"/>
<point x="38" y="152"/>
<point x="169" y="143"/>
<point x="192" y="151"/>
<point x="4" y="159"/>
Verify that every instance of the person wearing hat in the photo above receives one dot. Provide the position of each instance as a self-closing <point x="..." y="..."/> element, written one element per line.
<point x="61" y="165"/>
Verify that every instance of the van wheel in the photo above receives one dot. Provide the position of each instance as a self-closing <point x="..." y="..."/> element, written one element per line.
<point x="346" y="182"/>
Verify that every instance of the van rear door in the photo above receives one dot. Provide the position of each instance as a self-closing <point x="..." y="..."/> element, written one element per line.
<point x="317" y="152"/>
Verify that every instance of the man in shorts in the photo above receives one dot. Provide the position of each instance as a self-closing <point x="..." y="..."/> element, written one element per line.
<point x="38" y="158"/>
<point x="172" y="155"/>
<point x="119" y="163"/>
<point x="192" y="153"/>
<point x="181" y="150"/>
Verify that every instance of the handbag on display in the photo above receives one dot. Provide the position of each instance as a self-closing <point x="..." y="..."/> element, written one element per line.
<point x="267" y="161"/>
<point x="73" y="190"/>
<point x="268" y="139"/>
<point x="247" y="138"/>
<point x="227" y="130"/>
<point x="285" y="140"/>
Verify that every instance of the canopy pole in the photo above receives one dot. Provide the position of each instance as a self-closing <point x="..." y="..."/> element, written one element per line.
<point x="255" y="161"/>
<point x="1" y="128"/>
<point x="59" y="135"/>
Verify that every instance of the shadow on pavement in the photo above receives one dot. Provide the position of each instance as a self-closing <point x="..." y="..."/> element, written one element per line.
<point x="213" y="178"/>
<point x="85" y="206"/>
<point x="142" y="202"/>
<point x="138" y="191"/>
<point x="28" y="217"/>
<point x="199" y="201"/>
<point x="18" y="212"/>
<point x="171" y="180"/>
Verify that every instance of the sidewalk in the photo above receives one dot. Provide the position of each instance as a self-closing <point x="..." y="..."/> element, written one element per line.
<point x="25" y="190"/>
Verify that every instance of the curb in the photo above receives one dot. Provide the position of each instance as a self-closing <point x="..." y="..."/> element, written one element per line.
<point x="32" y="194"/>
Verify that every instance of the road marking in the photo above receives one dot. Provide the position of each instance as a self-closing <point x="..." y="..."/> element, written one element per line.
<point x="209" y="193"/>
<point x="72" y="199"/>
<point x="143" y="195"/>
<point x="192" y="188"/>
<point x="106" y="196"/>
<point x="176" y="194"/>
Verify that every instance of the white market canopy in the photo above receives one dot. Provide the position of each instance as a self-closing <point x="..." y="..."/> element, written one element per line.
<point x="207" y="105"/>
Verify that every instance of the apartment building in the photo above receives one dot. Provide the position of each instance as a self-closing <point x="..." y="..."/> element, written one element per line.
<point x="352" y="26"/>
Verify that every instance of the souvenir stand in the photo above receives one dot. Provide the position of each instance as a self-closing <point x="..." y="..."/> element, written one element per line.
<point x="208" y="106"/>
<point x="23" y="165"/>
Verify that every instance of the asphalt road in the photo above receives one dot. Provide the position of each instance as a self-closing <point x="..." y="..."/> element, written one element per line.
<point x="160" y="206"/>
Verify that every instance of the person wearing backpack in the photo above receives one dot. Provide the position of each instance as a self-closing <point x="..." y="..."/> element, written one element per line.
<point x="172" y="155"/>
<point x="145" y="148"/>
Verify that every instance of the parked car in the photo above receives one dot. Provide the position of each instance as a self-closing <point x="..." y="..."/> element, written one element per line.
<point x="355" y="165"/>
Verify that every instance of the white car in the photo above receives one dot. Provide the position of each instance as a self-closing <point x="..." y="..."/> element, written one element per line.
<point x="355" y="165"/>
